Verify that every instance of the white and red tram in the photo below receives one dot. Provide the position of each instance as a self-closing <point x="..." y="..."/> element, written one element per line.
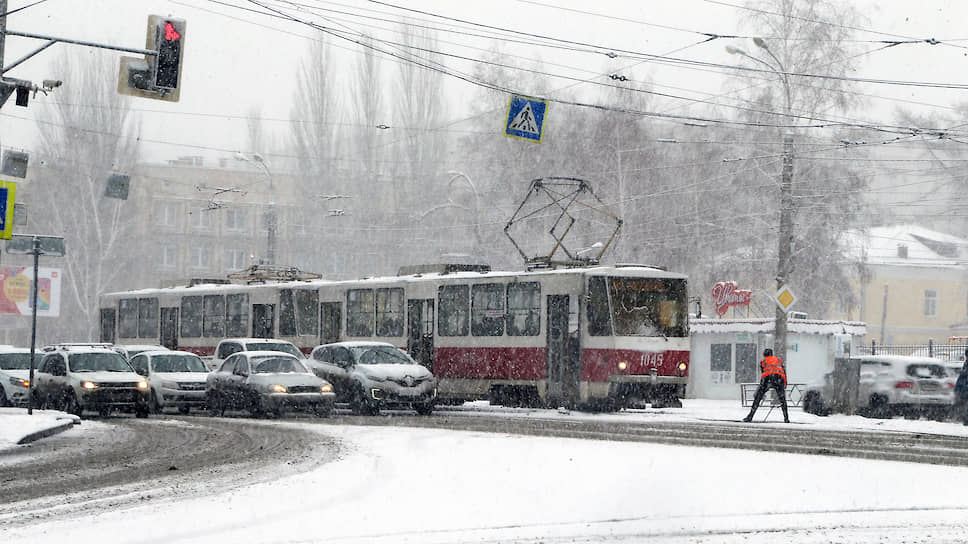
<point x="597" y="336"/>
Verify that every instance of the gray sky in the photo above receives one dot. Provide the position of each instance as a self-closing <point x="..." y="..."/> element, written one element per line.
<point x="237" y="61"/>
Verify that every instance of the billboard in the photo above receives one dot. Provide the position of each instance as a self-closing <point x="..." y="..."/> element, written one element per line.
<point x="15" y="283"/>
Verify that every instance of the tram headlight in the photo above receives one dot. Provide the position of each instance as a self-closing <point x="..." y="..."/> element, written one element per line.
<point x="682" y="367"/>
<point x="622" y="365"/>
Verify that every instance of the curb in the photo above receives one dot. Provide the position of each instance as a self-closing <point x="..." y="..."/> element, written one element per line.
<point x="37" y="435"/>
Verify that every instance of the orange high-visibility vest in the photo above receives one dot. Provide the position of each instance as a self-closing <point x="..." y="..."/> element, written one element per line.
<point x="772" y="365"/>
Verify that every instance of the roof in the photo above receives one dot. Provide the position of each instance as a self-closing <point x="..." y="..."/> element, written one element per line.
<point x="906" y="245"/>
<point x="766" y="325"/>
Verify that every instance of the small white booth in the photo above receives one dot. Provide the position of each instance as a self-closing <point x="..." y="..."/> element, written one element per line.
<point x="727" y="352"/>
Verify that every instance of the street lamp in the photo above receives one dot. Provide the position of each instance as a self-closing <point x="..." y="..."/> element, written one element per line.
<point x="785" y="243"/>
<point x="270" y="215"/>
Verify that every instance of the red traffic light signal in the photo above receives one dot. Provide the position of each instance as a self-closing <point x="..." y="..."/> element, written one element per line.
<point x="169" y="34"/>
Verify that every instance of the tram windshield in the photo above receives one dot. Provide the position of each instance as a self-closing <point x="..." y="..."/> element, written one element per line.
<point x="637" y="307"/>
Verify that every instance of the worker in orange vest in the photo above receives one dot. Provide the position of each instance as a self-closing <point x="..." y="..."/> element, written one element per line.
<point x="773" y="376"/>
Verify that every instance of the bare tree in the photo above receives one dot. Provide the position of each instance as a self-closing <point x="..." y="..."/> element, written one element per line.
<point x="91" y="135"/>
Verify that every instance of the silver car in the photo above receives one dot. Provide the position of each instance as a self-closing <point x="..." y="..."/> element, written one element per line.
<point x="905" y="385"/>
<point x="176" y="379"/>
<point x="264" y="382"/>
<point x="15" y="375"/>
<point x="374" y="375"/>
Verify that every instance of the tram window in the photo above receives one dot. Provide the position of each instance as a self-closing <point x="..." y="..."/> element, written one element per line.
<point x="128" y="318"/>
<point x="648" y="307"/>
<point x="236" y="315"/>
<point x="213" y="321"/>
<point x="359" y="312"/>
<point x="307" y="312"/>
<point x="453" y="313"/>
<point x="524" y="309"/>
<point x="487" y="309"/>
<point x="389" y="312"/>
<point x="287" y="313"/>
<point x="191" y="317"/>
<point x="148" y="317"/>
<point x="599" y="320"/>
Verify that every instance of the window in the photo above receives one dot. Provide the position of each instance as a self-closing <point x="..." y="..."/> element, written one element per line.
<point x="191" y="317"/>
<point x="487" y="309"/>
<point x="637" y="307"/>
<point x="235" y="259"/>
<point x="359" y="312"/>
<point x="930" y="303"/>
<point x="524" y="309"/>
<point x="747" y="365"/>
<point x="599" y="320"/>
<point x="298" y="312"/>
<point x="213" y="318"/>
<point x="201" y="257"/>
<point x="167" y="256"/>
<point x="236" y="315"/>
<point x="389" y="312"/>
<point x="454" y="308"/>
<point x="235" y="219"/>
<point x="721" y="357"/>
<point x="128" y="318"/>
<point x="166" y="214"/>
<point x="148" y="317"/>
<point x="201" y="219"/>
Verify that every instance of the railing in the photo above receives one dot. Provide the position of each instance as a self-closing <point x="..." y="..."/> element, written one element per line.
<point x="949" y="351"/>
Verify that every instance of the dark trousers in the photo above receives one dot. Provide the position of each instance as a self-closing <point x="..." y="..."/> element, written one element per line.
<point x="776" y="382"/>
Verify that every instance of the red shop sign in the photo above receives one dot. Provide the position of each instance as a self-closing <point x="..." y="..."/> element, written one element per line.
<point x="726" y="294"/>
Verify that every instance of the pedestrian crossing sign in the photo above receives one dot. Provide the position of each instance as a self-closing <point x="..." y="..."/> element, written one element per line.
<point x="525" y="119"/>
<point x="7" y="191"/>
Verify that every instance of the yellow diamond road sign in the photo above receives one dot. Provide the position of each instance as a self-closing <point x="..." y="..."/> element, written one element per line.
<point x="785" y="298"/>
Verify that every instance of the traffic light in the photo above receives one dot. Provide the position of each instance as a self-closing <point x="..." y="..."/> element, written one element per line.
<point x="156" y="76"/>
<point x="169" y="34"/>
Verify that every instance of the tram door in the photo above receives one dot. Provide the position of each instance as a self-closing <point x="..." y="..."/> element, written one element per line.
<point x="108" y="316"/>
<point x="263" y="320"/>
<point x="169" y="328"/>
<point x="420" y="331"/>
<point x="330" y="320"/>
<point x="563" y="359"/>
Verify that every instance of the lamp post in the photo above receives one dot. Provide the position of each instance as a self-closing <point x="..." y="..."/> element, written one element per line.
<point x="270" y="214"/>
<point x="785" y="242"/>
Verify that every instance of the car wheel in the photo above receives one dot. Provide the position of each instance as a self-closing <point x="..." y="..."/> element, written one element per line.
<point x="256" y="408"/>
<point x="183" y="410"/>
<point x="879" y="408"/>
<point x="359" y="404"/>
<point x="155" y="405"/>
<point x="323" y="410"/>
<point x="71" y="406"/>
<point x="141" y="411"/>
<point x="424" y="409"/>
<point x="4" y="401"/>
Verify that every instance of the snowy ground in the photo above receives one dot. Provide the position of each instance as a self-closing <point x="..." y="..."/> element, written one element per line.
<point x="431" y="486"/>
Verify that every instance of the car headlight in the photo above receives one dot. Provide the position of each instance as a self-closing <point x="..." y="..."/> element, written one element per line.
<point x="326" y="389"/>
<point x="88" y="385"/>
<point x="276" y="388"/>
<point x="143" y="385"/>
<point x="20" y="382"/>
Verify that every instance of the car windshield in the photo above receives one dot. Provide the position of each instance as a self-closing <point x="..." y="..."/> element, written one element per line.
<point x="91" y="362"/>
<point x="17" y="361"/>
<point x="271" y="365"/>
<point x="381" y="355"/>
<point x="177" y="363"/>
<point x="284" y="347"/>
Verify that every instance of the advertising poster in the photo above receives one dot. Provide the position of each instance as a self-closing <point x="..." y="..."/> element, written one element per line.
<point x="15" y="284"/>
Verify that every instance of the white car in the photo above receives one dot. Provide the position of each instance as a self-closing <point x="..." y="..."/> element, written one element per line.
<point x="905" y="385"/>
<point x="234" y="345"/>
<point x="130" y="350"/>
<point x="15" y="375"/>
<point x="176" y="379"/>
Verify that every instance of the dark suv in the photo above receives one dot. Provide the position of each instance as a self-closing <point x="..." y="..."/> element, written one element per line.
<point x="79" y="377"/>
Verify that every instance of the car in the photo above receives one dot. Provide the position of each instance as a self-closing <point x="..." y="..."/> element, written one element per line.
<point x="265" y="382"/>
<point x="15" y="375"/>
<point x="176" y="379"/>
<point x="229" y="346"/>
<point x="370" y="376"/>
<point x="95" y="377"/>
<point x="130" y="350"/>
<point x="905" y="385"/>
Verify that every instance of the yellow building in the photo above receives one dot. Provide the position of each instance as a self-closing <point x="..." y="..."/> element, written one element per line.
<point x="913" y="285"/>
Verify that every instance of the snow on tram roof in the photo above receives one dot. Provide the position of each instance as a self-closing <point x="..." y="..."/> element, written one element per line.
<point x="603" y="270"/>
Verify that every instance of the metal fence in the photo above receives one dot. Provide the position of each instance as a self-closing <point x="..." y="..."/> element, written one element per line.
<point x="947" y="351"/>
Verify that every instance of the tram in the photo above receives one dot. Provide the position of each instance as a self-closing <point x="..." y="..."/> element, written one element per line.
<point x="594" y="337"/>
